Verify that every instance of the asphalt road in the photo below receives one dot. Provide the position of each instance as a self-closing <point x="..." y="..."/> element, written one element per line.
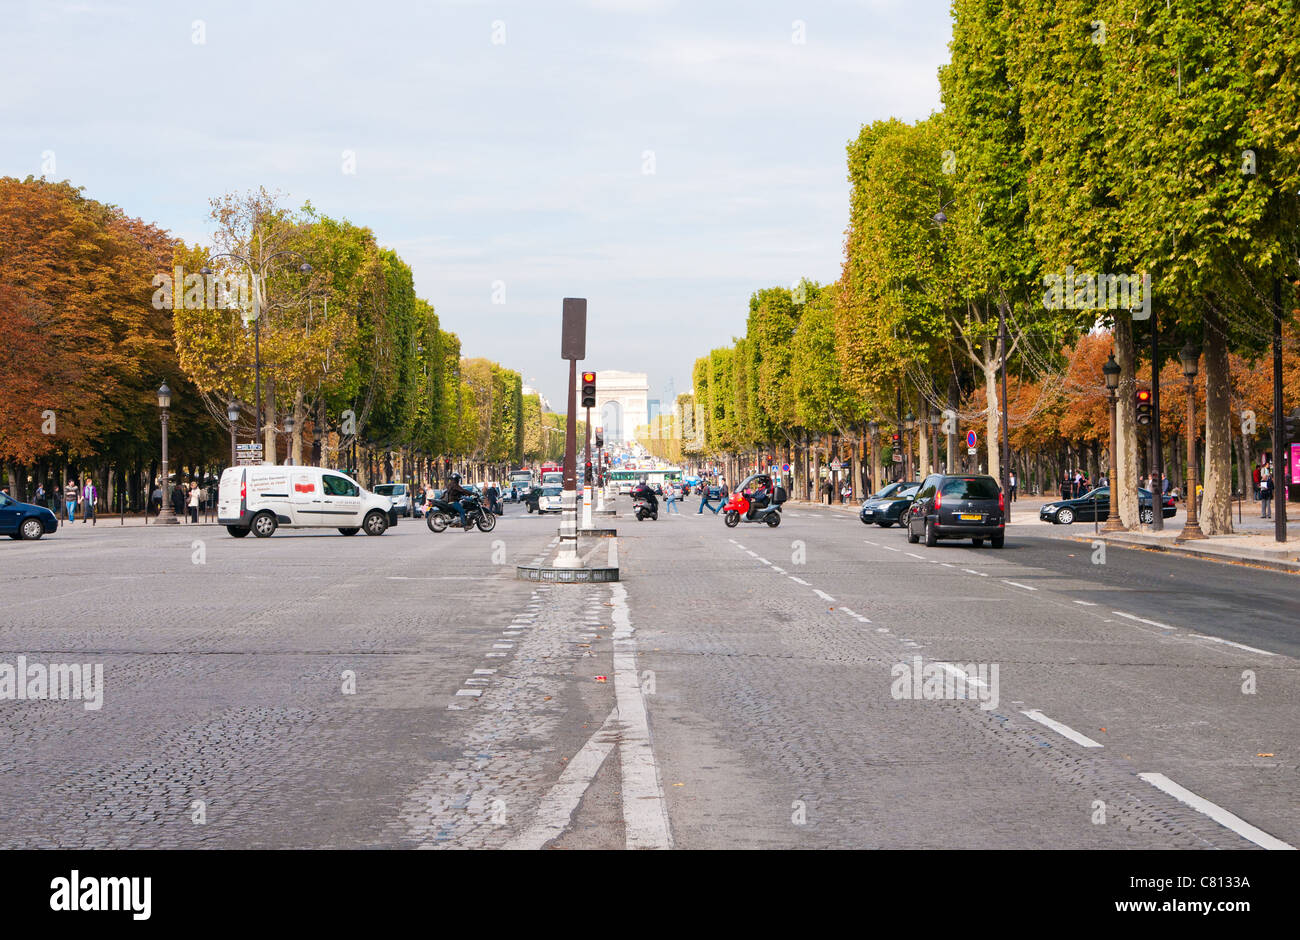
<point x="745" y="688"/>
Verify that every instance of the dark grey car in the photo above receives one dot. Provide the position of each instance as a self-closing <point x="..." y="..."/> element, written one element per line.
<point x="952" y="506"/>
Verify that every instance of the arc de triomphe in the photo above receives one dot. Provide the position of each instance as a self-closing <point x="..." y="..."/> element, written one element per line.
<point x="622" y="403"/>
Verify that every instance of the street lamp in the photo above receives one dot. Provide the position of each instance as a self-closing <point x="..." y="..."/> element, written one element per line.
<point x="934" y="437"/>
<point x="1111" y="370"/>
<point x="165" y="514"/>
<point x="873" y="427"/>
<point x="1190" y="355"/>
<point x="232" y="412"/>
<point x="909" y="423"/>
<point x="289" y="425"/>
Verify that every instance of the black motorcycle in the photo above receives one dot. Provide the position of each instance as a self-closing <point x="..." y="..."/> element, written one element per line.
<point x="442" y="514"/>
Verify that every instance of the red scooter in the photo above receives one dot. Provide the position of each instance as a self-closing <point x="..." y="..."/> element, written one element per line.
<point x="738" y="507"/>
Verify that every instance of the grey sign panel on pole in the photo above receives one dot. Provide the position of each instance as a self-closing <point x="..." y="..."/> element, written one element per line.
<point x="573" y="341"/>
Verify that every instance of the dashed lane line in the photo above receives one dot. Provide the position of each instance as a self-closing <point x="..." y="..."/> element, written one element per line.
<point x="1019" y="585"/>
<point x="823" y="595"/>
<point x="1216" y="812"/>
<point x="1064" y="730"/>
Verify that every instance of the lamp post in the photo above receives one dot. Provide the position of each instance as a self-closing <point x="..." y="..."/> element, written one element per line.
<point x="934" y="437"/>
<point x="1190" y="356"/>
<point x="232" y="412"/>
<point x="289" y="425"/>
<point x="872" y="428"/>
<point x="909" y="423"/>
<point x="1111" y="370"/>
<point x="165" y="514"/>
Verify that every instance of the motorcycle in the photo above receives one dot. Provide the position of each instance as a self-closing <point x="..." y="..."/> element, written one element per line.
<point x="643" y="510"/>
<point x="440" y="515"/>
<point x="738" y="509"/>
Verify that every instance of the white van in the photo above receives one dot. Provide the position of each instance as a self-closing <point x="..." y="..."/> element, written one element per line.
<point x="261" y="499"/>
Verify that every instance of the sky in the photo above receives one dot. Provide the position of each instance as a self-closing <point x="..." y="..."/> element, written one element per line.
<point x="663" y="159"/>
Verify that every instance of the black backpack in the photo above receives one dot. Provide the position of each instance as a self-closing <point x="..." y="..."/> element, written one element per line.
<point x="780" y="495"/>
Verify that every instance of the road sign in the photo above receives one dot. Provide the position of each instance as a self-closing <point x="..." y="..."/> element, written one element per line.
<point x="785" y="468"/>
<point x="972" y="450"/>
<point x="249" y="448"/>
<point x="836" y="465"/>
<point x="970" y="438"/>
<point x="898" y="458"/>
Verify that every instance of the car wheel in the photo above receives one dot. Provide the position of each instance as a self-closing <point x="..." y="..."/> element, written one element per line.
<point x="978" y="543"/>
<point x="264" y="525"/>
<point x="931" y="540"/>
<point x="1065" y="516"/>
<point x="1148" y="516"/>
<point x="436" y="521"/>
<point x="732" y="519"/>
<point x="376" y="523"/>
<point x="31" y="529"/>
<point x="238" y="531"/>
<point x="998" y="541"/>
<point x="349" y="530"/>
<point x="486" y="521"/>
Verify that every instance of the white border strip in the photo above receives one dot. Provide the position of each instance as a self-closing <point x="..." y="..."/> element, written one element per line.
<point x="1216" y="812"/>
<point x="1064" y="731"/>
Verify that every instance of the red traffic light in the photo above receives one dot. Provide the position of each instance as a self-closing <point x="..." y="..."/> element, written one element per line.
<point x="588" y="378"/>
<point x="1144" y="395"/>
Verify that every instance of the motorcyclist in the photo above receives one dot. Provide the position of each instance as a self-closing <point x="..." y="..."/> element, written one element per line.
<point x="758" y="495"/>
<point x="453" y="495"/>
<point x="643" y="491"/>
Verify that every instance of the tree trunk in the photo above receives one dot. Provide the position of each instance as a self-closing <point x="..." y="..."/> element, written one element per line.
<point x="992" y="425"/>
<point x="1126" y="451"/>
<point x="1217" y="501"/>
<point x="269" y="455"/>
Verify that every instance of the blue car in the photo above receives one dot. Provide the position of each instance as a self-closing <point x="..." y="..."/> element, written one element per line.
<point x="23" y="520"/>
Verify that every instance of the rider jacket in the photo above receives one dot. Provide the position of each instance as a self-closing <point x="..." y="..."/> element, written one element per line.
<point x="454" y="492"/>
<point x="644" y="492"/>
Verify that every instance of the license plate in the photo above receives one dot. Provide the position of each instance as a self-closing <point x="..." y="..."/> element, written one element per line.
<point x="971" y="517"/>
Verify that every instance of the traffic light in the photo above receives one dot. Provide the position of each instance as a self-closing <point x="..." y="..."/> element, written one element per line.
<point x="1144" y="406"/>
<point x="589" y="390"/>
<point x="1291" y="428"/>
<point x="600" y="440"/>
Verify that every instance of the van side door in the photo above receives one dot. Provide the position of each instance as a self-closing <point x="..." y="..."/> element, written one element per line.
<point x="342" y="502"/>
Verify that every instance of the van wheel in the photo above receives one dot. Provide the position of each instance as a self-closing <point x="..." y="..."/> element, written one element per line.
<point x="264" y="525"/>
<point x="376" y="523"/>
<point x="931" y="540"/>
<point x="350" y="530"/>
<point x="237" y="531"/>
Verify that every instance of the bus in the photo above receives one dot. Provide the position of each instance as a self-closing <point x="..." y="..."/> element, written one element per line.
<point x="624" y="480"/>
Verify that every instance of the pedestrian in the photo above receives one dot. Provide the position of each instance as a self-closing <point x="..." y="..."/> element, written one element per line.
<point x="70" y="496"/>
<point x="670" y="499"/>
<point x="156" y="498"/>
<point x="1012" y="478"/>
<point x="178" y="501"/>
<point x="89" y="496"/>
<point x="866" y="485"/>
<point x="705" y="495"/>
<point x="194" y="502"/>
<point x="1266" y="492"/>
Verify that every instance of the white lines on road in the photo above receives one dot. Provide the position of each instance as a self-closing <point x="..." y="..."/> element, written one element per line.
<point x="946" y="565"/>
<point x="823" y="595"/>
<point x="474" y="692"/>
<point x="1085" y="603"/>
<point x="890" y="548"/>
<point x="869" y="542"/>
<point x="1019" y="585"/>
<point x="1064" y="730"/>
<point x="972" y="571"/>
<point x="1240" y="646"/>
<point x="912" y="555"/>
<point x="1154" y="623"/>
<point x="751" y="554"/>
<point x="961" y="674"/>
<point x="765" y="561"/>
<point x="798" y="580"/>
<point x="1217" y="813"/>
<point x="778" y="570"/>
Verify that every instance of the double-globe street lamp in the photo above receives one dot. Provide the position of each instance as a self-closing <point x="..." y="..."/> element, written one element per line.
<point x="1111" y="370"/>
<point x="909" y="424"/>
<point x="165" y="514"/>
<point x="873" y="427"/>
<point x="232" y="413"/>
<point x="1190" y="357"/>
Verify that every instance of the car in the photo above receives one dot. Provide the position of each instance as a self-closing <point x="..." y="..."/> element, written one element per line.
<point x="953" y="506"/>
<point x="24" y="520"/>
<point x="400" y="494"/>
<point x="261" y="499"/>
<point x="549" y="498"/>
<point x="1094" y="506"/>
<point x="886" y="507"/>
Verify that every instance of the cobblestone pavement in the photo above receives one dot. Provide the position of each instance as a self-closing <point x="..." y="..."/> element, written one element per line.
<point x="745" y="680"/>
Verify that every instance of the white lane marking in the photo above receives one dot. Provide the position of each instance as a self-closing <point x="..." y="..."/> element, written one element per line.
<point x="882" y="629"/>
<point x="946" y="565"/>
<point x="556" y="809"/>
<point x="477" y="681"/>
<point x="778" y="570"/>
<point x="503" y="646"/>
<point x="1216" y="812"/>
<point x="911" y="555"/>
<point x="961" y="674"/>
<point x="1240" y="646"/>
<point x="485" y="672"/>
<point x="741" y="547"/>
<point x="972" y="571"/>
<point x="474" y="692"/>
<point x="1019" y="585"/>
<point x="1154" y="623"/>
<point x="1063" y="730"/>
<point x="869" y="542"/>
<point x="765" y="561"/>
<point x="645" y="813"/>
<point x="851" y="613"/>
<point x="890" y="549"/>
<point x="798" y="580"/>
<point x="751" y="554"/>
<point x="823" y="595"/>
<point x="1085" y="603"/>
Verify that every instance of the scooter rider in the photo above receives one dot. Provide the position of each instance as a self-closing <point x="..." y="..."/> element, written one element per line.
<point x="643" y="491"/>
<point x="453" y="495"/>
<point x="758" y="496"/>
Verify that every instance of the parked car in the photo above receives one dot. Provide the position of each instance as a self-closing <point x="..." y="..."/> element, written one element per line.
<point x="260" y="499"/>
<point x="400" y="494"/>
<point x="1094" y="506"/>
<point x="887" y="506"/>
<point x="948" y="506"/>
<point x="25" y="520"/>
<point x="548" y="500"/>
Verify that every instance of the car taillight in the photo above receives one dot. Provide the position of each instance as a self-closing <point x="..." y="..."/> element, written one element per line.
<point x="1002" y="505"/>
<point x="938" y="500"/>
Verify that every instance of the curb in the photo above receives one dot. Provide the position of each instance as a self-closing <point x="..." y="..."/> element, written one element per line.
<point x="1258" y="562"/>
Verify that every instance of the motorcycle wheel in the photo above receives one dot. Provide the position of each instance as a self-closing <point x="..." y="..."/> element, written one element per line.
<point x="639" y="516"/>
<point x="732" y="519"/>
<point x="486" y="521"/>
<point x="436" y="521"/>
<point x="654" y="517"/>
<point x="774" y="519"/>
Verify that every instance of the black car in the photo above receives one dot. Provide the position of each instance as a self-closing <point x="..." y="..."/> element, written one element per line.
<point x="1094" y="506"/>
<point x="949" y="506"/>
<point x="887" y="506"/>
<point x="23" y="520"/>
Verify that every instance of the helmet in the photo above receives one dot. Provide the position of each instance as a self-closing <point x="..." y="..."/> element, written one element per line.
<point x="456" y="477"/>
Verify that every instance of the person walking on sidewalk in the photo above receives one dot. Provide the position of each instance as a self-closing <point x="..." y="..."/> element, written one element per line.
<point x="1266" y="492"/>
<point x="89" y="496"/>
<point x="194" y="502"/>
<point x="1011" y="476"/>
<point x="70" y="496"/>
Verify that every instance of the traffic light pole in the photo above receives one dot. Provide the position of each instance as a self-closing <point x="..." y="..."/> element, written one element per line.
<point x="1157" y="456"/>
<point x="586" y="477"/>
<point x="1279" y="440"/>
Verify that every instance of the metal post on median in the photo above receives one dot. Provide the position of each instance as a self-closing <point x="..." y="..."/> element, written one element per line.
<point x="573" y="347"/>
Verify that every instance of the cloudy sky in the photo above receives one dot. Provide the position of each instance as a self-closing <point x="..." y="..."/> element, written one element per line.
<point x="663" y="159"/>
